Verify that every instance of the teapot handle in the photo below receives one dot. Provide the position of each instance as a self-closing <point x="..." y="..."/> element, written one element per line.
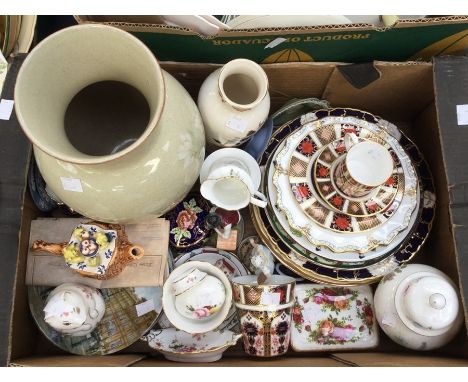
<point x="54" y="248"/>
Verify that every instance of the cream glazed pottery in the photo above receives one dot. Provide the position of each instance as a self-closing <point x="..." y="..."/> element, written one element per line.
<point x="197" y="297"/>
<point x="74" y="309"/>
<point x="234" y="102"/>
<point x="418" y="307"/>
<point x="124" y="176"/>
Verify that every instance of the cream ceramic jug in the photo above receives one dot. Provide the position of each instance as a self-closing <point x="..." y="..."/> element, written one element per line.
<point x="109" y="127"/>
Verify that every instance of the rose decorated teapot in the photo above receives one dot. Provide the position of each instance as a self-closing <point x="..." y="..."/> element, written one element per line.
<point x="418" y="307"/>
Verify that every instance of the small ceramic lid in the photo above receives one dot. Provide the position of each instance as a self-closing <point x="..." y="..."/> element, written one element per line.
<point x="427" y="303"/>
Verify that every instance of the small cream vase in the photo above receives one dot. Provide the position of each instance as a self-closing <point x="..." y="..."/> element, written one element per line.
<point x="234" y="103"/>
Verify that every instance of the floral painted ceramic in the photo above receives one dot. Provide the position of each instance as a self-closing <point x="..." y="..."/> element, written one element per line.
<point x="418" y="307"/>
<point x="187" y="228"/>
<point x="198" y="295"/>
<point x="179" y="346"/>
<point x="264" y="313"/>
<point x="332" y="318"/>
<point x="95" y="250"/>
<point x="229" y="264"/>
<point x="74" y="309"/>
<point x="205" y="316"/>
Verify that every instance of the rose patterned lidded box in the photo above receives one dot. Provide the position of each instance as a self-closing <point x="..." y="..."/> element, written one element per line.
<point x="333" y="318"/>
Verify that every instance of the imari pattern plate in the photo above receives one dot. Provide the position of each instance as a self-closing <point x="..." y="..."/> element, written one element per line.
<point x="306" y="260"/>
<point x="308" y="213"/>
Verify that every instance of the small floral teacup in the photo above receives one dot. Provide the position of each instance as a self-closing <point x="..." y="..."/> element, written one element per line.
<point x="198" y="295"/>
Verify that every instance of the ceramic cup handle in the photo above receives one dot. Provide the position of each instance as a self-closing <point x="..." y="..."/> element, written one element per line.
<point x="350" y="139"/>
<point x="261" y="201"/>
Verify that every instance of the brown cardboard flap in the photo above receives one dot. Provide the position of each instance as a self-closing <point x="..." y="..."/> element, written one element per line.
<point x="120" y="360"/>
<point x="451" y="87"/>
<point x="146" y="23"/>
<point x="406" y="360"/>
<point x="388" y="95"/>
<point x="297" y="81"/>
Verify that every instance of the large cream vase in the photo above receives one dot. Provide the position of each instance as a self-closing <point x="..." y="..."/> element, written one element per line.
<point x="148" y="177"/>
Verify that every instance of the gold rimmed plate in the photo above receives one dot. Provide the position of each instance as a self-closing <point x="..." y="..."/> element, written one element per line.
<point x="408" y="247"/>
<point x="327" y="227"/>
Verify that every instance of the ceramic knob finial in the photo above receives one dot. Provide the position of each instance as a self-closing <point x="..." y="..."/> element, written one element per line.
<point x="428" y="304"/>
<point x="437" y="301"/>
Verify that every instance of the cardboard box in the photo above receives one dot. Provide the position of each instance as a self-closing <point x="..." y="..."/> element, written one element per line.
<point x="403" y="93"/>
<point x="405" y="40"/>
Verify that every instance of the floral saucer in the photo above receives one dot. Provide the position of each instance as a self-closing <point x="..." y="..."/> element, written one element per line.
<point x="331" y="318"/>
<point x="179" y="346"/>
<point x="187" y="228"/>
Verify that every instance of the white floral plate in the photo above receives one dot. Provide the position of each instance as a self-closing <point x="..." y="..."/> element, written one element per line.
<point x="179" y="346"/>
<point x="331" y="318"/>
<point x="320" y="236"/>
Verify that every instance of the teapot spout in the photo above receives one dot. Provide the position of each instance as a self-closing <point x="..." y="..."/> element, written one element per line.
<point x="135" y="252"/>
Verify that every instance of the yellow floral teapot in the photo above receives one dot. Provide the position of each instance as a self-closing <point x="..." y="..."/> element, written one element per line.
<point x="95" y="250"/>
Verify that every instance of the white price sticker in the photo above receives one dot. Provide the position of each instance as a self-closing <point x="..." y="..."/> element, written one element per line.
<point x="6" y="108"/>
<point x="236" y="123"/>
<point x="71" y="184"/>
<point x="462" y="115"/>
<point x="270" y="298"/>
<point x="144" y="307"/>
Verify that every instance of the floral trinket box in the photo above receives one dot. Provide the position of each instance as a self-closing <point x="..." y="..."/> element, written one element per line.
<point x="333" y="318"/>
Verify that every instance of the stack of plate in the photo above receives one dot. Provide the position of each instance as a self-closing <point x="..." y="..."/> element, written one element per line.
<point x="321" y="234"/>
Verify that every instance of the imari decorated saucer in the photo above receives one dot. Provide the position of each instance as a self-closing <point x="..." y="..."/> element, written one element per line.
<point x="320" y="223"/>
<point x="378" y="201"/>
<point x="313" y="263"/>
